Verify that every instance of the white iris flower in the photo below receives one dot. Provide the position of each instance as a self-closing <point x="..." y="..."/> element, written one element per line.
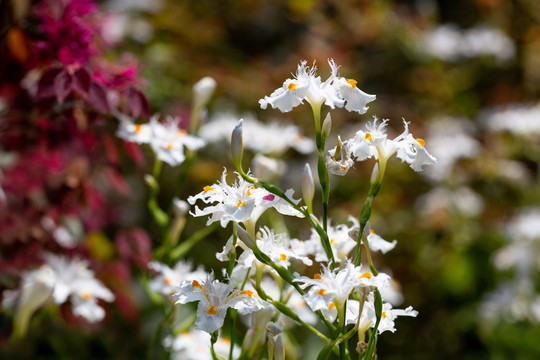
<point x="214" y="299"/>
<point x="240" y="202"/>
<point x="306" y="85"/>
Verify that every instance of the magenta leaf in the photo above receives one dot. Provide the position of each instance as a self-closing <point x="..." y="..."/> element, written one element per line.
<point x="62" y="86"/>
<point x="46" y="83"/>
<point x="82" y="81"/>
<point x="97" y="97"/>
<point x="138" y="104"/>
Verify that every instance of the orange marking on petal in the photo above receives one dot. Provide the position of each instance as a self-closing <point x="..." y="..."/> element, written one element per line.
<point x="167" y="281"/>
<point x="322" y="292"/>
<point x="211" y="310"/>
<point x="248" y="293"/>
<point x="421" y="142"/>
<point x="331" y="306"/>
<point x="366" y="275"/>
<point x="207" y="188"/>
<point x="291" y="86"/>
<point x="169" y="146"/>
<point x="195" y="284"/>
<point x="368" y="137"/>
<point x="317" y="277"/>
<point x="352" y="83"/>
<point x="371" y="231"/>
<point x="248" y="193"/>
<point x="86" y="295"/>
<point x="182" y="132"/>
<point x="332" y="242"/>
<point x="343" y="168"/>
<point x="282" y="257"/>
<point x="383" y="315"/>
<point x="138" y="128"/>
<point x="240" y="204"/>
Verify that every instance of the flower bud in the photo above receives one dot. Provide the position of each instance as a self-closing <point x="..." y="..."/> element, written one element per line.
<point x="326" y="126"/>
<point x="237" y="146"/>
<point x="308" y="187"/>
<point x="375" y="173"/>
<point x="276" y="348"/>
<point x="244" y="236"/>
<point x="203" y="91"/>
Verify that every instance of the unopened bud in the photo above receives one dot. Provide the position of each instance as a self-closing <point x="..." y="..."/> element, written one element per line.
<point x="308" y="187"/>
<point x="237" y="146"/>
<point x="244" y="236"/>
<point x="326" y="126"/>
<point x="276" y="348"/>
<point x="203" y="91"/>
<point x="375" y="173"/>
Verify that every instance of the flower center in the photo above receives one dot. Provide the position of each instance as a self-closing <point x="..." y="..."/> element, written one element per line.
<point x="352" y="83"/>
<point x="322" y="292"/>
<point x="169" y="146"/>
<point x="368" y="137"/>
<point x="240" y="204"/>
<point x="138" y="128"/>
<point x="207" y="188"/>
<point x="86" y="295"/>
<point x="421" y="142"/>
<point x="291" y="86"/>
<point x="366" y="275"/>
<point x="211" y="310"/>
<point x="282" y="257"/>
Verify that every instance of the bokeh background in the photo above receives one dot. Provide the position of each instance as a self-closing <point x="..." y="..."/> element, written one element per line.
<point x="466" y="74"/>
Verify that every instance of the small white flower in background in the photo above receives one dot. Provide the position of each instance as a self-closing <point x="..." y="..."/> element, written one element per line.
<point x="389" y="315"/>
<point x="340" y="242"/>
<point x="450" y="139"/>
<point x="520" y="119"/>
<point x="276" y="246"/>
<point x="267" y="168"/>
<point x="449" y="43"/>
<point x="239" y="203"/>
<point x="377" y="243"/>
<point x="166" y="139"/>
<point x="195" y="345"/>
<point x="74" y="279"/>
<point x="214" y="299"/>
<point x="168" y="279"/>
<point x="265" y="138"/>
<point x="463" y="201"/>
<point x="306" y="85"/>
<point x="137" y="133"/>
